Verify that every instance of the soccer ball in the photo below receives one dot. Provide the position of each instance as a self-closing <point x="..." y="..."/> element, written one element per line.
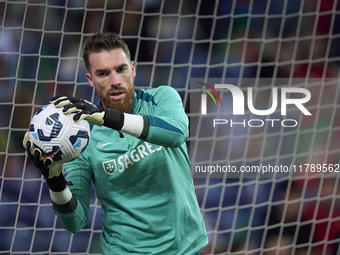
<point x="57" y="135"/>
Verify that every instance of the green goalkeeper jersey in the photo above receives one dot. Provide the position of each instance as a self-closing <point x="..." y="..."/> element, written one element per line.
<point x="144" y="185"/>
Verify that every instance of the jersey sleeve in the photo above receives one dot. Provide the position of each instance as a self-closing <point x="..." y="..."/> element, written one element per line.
<point x="73" y="216"/>
<point x="168" y="124"/>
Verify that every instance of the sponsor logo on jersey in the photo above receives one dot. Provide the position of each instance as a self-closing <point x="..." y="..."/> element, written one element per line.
<point x="130" y="158"/>
<point x="103" y="144"/>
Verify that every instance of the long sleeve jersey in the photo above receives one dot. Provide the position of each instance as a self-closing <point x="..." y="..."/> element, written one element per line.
<point x="144" y="185"/>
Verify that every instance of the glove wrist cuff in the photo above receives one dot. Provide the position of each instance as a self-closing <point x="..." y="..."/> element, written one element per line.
<point x="57" y="183"/>
<point x="113" y="119"/>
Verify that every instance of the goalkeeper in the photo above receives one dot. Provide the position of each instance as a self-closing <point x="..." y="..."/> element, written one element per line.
<point x="136" y="159"/>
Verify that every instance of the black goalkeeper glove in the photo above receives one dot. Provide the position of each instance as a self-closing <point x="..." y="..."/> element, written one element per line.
<point x="84" y="109"/>
<point x="49" y="169"/>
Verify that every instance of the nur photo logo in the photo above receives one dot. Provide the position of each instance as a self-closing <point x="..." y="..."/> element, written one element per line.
<point x="242" y="103"/>
<point x="204" y="97"/>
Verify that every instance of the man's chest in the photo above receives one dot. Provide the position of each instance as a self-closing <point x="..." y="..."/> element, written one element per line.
<point x="117" y="152"/>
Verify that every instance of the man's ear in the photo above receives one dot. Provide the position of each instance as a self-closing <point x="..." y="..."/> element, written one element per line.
<point x="89" y="78"/>
<point x="133" y="68"/>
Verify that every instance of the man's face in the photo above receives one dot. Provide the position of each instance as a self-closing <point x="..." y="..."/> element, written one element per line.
<point x="112" y="75"/>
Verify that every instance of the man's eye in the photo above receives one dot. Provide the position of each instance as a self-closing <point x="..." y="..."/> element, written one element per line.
<point x="121" y="70"/>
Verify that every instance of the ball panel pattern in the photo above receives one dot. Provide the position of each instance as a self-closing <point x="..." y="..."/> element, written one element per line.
<point x="57" y="135"/>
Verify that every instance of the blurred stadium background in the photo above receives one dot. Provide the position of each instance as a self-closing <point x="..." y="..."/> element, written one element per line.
<point x="173" y="41"/>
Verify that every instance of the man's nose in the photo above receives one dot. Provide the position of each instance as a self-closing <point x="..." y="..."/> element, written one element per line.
<point x="115" y="79"/>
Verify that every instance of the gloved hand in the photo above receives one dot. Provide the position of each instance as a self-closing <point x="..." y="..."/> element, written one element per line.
<point x="84" y="109"/>
<point x="49" y="169"/>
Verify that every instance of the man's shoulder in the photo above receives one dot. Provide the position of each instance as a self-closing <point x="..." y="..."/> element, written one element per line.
<point x="149" y="94"/>
<point x="155" y="97"/>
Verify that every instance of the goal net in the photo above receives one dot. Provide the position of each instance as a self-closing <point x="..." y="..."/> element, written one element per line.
<point x="259" y="81"/>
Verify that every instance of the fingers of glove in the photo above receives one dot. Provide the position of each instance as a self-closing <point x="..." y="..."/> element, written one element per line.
<point x="26" y="139"/>
<point x="29" y="150"/>
<point x="53" y="100"/>
<point x="60" y="98"/>
<point x="83" y="116"/>
<point x="62" y="101"/>
<point x="80" y="116"/>
<point x="50" y="165"/>
<point x="28" y="145"/>
<point x="38" y="159"/>
<point x="48" y="162"/>
<point x="71" y="108"/>
<point x="96" y="118"/>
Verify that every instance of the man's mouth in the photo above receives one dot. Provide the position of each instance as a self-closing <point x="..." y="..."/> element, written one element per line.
<point x="117" y="95"/>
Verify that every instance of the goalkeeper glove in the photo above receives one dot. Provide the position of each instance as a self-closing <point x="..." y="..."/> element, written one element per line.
<point x="84" y="109"/>
<point x="49" y="169"/>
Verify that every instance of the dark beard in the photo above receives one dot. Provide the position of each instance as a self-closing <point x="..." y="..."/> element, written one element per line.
<point x="123" y="105"/>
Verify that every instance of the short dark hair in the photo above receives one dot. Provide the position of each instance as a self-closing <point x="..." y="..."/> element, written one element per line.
<point x="104" y="42"/>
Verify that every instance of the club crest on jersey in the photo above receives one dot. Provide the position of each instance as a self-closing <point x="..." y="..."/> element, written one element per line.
<point x="110" y="167"/>
<point x="130" y="158"/>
